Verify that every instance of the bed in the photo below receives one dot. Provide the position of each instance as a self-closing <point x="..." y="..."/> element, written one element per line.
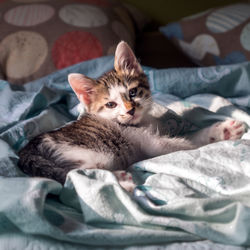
<point x="197" y="199"/>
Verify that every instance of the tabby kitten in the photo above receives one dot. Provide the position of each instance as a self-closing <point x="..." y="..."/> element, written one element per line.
<point x="113" y="134"/>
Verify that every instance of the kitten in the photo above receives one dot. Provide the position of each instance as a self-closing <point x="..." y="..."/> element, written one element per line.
<point x="115" y="132"/>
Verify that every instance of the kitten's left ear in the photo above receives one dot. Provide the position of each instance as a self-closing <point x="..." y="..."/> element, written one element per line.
<point x="83" y="86"/>
<point x="125" y="60"/>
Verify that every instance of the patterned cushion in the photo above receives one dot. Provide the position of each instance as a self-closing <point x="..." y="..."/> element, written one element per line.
<point x="41" y="36"/>
<point x="216" y="36"/>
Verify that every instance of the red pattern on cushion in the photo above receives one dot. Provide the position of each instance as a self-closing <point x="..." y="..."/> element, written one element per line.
<point x="74" y="47"/>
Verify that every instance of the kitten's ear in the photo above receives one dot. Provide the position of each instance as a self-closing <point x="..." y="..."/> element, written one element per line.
<point x="83" y="87"/>
<point x="125" y="60"/>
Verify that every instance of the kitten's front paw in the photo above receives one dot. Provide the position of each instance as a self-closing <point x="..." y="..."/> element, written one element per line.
<point x="125" y="180"/>
<point x="227" y="130"/>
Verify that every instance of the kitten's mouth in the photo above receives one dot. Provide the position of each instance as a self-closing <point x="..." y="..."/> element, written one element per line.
<point x="132" y="120"/>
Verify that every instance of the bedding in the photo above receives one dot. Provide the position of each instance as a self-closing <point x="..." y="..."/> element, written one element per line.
<point x="188" y="199"/>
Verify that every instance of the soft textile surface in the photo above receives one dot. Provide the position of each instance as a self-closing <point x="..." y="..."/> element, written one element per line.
<point x="217" y="36"/>
<point x="195" y="197"/>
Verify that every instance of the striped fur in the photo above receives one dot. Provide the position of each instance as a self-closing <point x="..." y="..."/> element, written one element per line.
<point x="97" y="140"/>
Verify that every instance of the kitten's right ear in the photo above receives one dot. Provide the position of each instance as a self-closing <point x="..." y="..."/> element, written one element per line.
<point x="83" y="87"/>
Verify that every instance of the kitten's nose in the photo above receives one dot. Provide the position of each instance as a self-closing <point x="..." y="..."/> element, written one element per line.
<point x="131" y="111"/>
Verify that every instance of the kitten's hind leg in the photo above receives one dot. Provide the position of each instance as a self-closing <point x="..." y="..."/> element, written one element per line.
<point x="227" y="130"/>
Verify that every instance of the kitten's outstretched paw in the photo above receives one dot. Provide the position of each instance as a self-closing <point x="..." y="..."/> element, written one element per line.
<point x="227" y="130"/>
<point x="125" y="180"/>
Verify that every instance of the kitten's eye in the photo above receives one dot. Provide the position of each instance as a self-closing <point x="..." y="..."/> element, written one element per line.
<point x="110" y="105"/>
<point x="132" y="92"/>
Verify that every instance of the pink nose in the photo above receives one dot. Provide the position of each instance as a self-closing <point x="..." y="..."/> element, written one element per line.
<point x="131" y="111"/>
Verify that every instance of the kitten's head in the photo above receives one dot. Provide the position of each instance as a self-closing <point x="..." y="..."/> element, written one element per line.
<point x="121" y="95"/>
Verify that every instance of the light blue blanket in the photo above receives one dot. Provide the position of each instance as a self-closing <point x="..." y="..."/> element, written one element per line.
<point x="197" y="197"/>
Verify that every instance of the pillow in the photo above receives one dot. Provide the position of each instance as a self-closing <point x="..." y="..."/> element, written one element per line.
<point x="214" y="37"/>
<point x="42" y="36"/>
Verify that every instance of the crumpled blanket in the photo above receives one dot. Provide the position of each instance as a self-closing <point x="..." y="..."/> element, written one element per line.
<point x="199" y="198"/>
